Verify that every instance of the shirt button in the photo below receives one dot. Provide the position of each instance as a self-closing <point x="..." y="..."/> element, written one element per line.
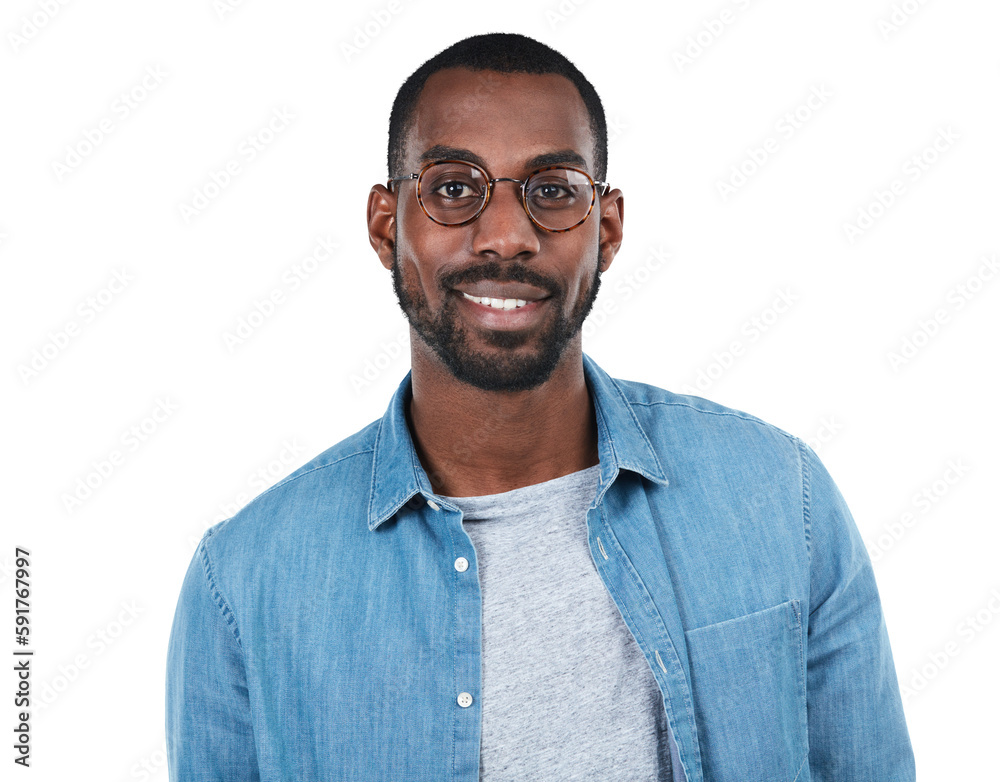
<point x="461" y="564"/>
<point x="433" y="505"/>
<point x="464" y="700"/>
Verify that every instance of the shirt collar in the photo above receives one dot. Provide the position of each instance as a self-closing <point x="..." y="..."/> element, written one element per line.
<point x="398" y="476"/>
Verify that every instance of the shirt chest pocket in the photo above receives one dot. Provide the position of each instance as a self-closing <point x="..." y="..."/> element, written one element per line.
<point x="748" y="683"/>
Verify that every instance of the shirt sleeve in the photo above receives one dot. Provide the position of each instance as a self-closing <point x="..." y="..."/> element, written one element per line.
<point x="857" y="730"/>
<point x="209" y="730"/>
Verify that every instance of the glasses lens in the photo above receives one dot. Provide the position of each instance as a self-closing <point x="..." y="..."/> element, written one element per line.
<point x="559" y="198"/>
<point x="452" y="192"/>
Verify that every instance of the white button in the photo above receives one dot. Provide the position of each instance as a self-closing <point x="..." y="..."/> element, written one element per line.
<point x="433" y="505"/>
<point x="461" y="564"/>
<point x="464" y="700"/>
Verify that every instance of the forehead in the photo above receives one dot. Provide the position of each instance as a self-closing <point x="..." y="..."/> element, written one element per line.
<point x="504" y="118"/>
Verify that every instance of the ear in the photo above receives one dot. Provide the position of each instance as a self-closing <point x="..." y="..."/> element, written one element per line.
<point x="612" y="215"/>
<point x="382" y="223"/>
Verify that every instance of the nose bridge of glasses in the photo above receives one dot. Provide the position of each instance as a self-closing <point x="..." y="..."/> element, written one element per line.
<point x="518" y="182"/>
<point x="518" y="191"/>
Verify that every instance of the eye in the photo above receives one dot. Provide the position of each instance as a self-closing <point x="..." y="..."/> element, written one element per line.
<point x="549" y="190"/>
<point x="455" y="189"/>
<point x="555" y="191"/>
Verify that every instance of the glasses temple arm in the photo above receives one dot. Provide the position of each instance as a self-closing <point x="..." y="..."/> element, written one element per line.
<point x="390" y="180"/>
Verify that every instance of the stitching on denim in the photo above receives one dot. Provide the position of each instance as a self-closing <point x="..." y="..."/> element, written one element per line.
<point x="806" y="496"/>
<point x="402" y="499"/>
<point x="803" y="687"/>
<point x="731" y="414"/>
<point x="291" y="478"/>
<point x="715" y="625"/>
<point x="628" y="406"/>
<point x="651" y="609"/>
<point x="231" y="619"/>
<point x="373" y="486"/>
<point x="802" y="765"/>
<point x="217" y="597"/>
<point x="337" y="461"/>
<point x="453" y="579"/>
<point x="611" y="443"/>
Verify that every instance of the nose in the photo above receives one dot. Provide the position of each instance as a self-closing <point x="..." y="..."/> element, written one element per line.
<point x="503" y="228"/>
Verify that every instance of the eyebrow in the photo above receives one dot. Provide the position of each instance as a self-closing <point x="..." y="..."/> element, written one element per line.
<point x="563" y="156"/>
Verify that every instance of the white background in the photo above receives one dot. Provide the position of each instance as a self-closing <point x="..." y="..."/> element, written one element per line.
<point x="820" y="369"/>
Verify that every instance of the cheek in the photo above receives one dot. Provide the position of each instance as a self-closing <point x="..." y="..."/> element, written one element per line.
<point x="426" y="246"/>
<point x="422" y="249"/>
<point x="409" y="222"/>
<point x="585" y="254"/>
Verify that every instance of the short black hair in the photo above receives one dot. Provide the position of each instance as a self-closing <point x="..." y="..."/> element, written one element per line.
<point x="504" y="53"/>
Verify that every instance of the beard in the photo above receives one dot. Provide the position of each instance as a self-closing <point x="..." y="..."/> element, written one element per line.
<point x="517" y="360"/>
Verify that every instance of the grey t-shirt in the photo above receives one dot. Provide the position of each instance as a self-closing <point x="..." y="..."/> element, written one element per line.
<point x="567" y="693"/>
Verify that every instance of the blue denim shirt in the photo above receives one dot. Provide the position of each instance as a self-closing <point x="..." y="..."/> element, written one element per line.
<point x="324" y="632"/>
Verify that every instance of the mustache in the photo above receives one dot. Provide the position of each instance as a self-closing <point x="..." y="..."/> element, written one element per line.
<point x="494" y="271"/>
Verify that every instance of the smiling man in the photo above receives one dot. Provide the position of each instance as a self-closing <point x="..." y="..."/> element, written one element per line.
<point x="528" y="569"/>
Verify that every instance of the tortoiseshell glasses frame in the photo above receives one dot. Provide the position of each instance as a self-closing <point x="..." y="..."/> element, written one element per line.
<point x="596" y="188"/>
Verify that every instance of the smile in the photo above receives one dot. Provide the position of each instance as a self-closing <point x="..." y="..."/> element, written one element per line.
<point x="497" y="304"/>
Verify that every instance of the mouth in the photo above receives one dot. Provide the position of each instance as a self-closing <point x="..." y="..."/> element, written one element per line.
<point x="502" y="295"/>
<point x="503" y="314"/>
<point x="497" y="304"/>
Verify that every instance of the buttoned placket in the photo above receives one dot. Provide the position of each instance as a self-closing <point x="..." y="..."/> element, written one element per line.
<point x="629" y="593"/>
<point x="467" y="697"/>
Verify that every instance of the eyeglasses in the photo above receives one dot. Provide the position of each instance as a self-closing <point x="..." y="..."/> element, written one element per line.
<point x="455" y="192"/>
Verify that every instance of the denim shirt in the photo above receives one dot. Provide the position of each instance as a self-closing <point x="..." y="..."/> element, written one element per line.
<point x="331" y="631"/>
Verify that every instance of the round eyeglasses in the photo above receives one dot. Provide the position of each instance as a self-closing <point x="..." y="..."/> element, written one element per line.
<point x="455" y="192"/>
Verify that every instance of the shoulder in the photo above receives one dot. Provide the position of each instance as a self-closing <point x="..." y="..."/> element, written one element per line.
<point x="684" y="423"/>
<point x="338" y="476"/>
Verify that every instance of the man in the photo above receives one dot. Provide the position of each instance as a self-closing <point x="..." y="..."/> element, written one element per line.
<point x="526" y="569"/>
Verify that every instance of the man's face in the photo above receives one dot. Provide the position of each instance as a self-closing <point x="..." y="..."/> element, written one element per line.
<point x="504" y="123"/>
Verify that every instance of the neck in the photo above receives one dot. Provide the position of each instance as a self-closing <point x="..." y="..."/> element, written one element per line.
<point x="473" y="442"/>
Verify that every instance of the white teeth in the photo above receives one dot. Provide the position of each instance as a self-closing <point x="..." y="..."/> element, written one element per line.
<point x="499" y="304"/>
